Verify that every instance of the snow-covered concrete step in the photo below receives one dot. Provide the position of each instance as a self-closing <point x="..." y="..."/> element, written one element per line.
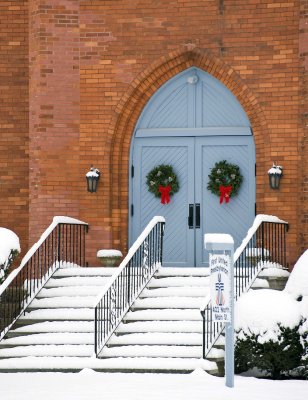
<point x="171" y="271"/>
<point x="160" y="326"/>
<point x="153" y="351"/>
<point x="216" y="354"/>
<point x="78" y="281"/>
<point x="220" y="342"/>
<point x="260" y="284"/>
<point x="63" y="302"/>
<point x="69" y="291"/>
<point x="47" y="351"/>
<point x="274" y="273"/>
<point x="129" y="364"/>
<point x="157" y="338"/>
<point x="191" y="291"/>
<point x="49" y="338"/>
<point x="164" y="315"/>
<point x="54" y="326"/>
<point x="181" y="281"/>
<point x="162" y="332"/>
<point x="87" y="271"/>
<point x="63" y="314"/>
<point x="257" y="284"/>
<point x="168" y="302"/>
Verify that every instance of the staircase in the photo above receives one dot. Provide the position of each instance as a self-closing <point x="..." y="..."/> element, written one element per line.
<point x="147" y="319"/>
<point x="57" y="323"/>
<point x="161" y="333"/>
<point x="163" y="329"/>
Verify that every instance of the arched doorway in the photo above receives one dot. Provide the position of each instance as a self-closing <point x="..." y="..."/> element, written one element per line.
<point x="192" y="122"/>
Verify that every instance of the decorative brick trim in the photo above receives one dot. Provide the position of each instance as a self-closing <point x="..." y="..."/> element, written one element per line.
<point x="132" y="103"/>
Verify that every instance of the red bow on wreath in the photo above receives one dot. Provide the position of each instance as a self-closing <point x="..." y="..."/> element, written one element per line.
<point x="165" y="197"/>
<point x="225" y="193"/>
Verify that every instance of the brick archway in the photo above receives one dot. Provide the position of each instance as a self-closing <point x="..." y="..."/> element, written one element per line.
<point x="131" y="105"/>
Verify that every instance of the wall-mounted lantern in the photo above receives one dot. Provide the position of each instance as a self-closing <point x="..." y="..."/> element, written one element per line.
<point x="92" y="179"/>
<point x="274" y="175"/>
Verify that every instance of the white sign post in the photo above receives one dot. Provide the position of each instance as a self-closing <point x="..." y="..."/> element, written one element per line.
<point x="221" y="247"/>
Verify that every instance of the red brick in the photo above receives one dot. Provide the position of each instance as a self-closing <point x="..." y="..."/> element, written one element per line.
<point x="93" y="66"/>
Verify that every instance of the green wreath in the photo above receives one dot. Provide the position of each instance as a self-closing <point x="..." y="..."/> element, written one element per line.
<point x="162" y="175"/>
<point x="225" y="174"/>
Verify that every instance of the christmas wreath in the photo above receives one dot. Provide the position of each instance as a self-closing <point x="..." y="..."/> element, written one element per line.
<point x="162" y="182"/>
<point x="225" y="180"/>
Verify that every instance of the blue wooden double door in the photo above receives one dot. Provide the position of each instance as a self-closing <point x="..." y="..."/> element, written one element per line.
<point x="193" y="210"/>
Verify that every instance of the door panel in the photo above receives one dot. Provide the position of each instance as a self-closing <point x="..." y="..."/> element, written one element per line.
<point x="192" y="159"/>
<point x="178" y="239"/>
<point x="236" y="216"/>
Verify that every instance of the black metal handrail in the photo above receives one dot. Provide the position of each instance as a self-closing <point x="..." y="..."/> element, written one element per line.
<point x="265" y="242"/>
<point x="62" y="244"/>
<point x="135" y="271"/>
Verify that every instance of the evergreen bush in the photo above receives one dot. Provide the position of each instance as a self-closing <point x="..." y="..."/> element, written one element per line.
<point x="4" y="268"/>
<point x="277" y="354"/>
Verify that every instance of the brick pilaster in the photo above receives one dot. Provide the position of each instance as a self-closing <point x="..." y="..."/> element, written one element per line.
<point x="14" y="120"/>
<point x="54" y="111"/>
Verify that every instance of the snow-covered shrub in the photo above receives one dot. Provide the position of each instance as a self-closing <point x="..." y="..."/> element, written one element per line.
<point x="277" y="357"/>
<point x="297" y="287"/>
<point x="270" y="333"/>
<point x="9" y="249"/>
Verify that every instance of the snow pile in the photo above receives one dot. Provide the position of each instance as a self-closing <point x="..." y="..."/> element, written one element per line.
<point x="109" y="253"/>
<point x="9" y="248"/>
<point x="261" y="312"/>
<point x="297" y="287"/>
<point x="198" y="385"/>
<point x="8" y="242"/>
<point x="297" y="284"/>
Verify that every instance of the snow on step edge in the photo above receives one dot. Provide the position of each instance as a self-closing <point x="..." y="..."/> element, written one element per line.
<point x="121" y="364"/>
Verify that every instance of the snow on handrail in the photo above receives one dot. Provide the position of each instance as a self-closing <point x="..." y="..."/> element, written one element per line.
<point x="129" y="255"/>
<point x="56" y="221"/>
<point x="135" y="271"/>
<point x="256" y="223"/>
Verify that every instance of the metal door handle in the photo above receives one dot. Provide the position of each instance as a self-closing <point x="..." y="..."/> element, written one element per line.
<point x="191" y="216"/>
<point x="197" y="216"/>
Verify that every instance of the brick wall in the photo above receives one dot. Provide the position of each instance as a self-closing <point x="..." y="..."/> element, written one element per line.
<point x="126" y="54"/>
<point x="54" y="111"/>
<point x="14" y="118"/>
<point x="93" y="66"/>
<point x="303" y="117"/>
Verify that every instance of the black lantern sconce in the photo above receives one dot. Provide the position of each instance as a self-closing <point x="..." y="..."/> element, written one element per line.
<point x="274" y="175"/>
<point x="92" y="179"/>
